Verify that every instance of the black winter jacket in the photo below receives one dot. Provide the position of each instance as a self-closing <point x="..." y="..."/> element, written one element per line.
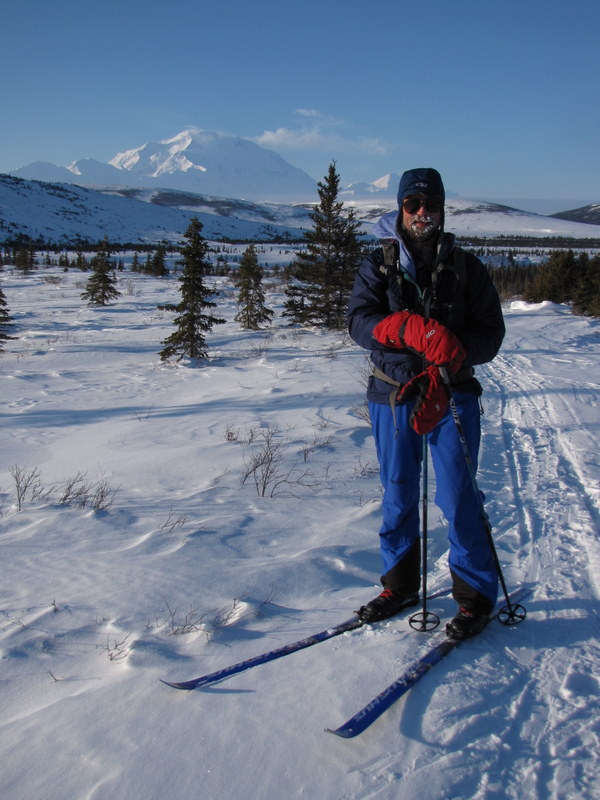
<point x="463" y="299"/>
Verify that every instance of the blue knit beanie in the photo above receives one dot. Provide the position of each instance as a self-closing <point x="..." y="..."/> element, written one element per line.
<point x="423" y="180"/>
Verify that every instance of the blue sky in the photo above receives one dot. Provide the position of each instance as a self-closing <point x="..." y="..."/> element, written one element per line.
<point x="502" y="97"/>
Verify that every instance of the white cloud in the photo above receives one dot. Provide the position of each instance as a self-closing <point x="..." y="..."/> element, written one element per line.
<point x="308" y="112"/>
<point x="324" y="119"/>
<point x="320" y="132"/>
<point x="301" y="139"/>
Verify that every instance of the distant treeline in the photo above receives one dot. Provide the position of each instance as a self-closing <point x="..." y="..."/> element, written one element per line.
<point x="473" y="243"/>
<point x="528" y="242"/>
<point x="564" y="278"/>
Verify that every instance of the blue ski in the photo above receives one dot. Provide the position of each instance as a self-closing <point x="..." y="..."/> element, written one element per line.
<point x="242" y="666"/>
<point x="373" y="710"/>
<point x="272" y="655"/>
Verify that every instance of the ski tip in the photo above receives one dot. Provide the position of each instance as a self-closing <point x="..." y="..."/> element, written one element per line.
<point x="176" y="684"/>
<point x="343" y="733"/>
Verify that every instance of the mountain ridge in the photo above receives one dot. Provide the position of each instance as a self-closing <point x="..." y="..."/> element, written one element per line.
<point x="63" y="213"/>
<point x="194" y="160"/>
<point x="206" y="163"/>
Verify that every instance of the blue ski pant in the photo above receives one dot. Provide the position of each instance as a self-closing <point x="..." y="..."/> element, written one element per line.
<point x="400" y="451"/>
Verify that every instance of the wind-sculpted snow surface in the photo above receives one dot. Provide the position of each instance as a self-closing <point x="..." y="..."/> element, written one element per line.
<point x="187" y="569"/>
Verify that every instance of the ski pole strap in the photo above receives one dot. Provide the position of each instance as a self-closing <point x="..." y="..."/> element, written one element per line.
<point x="462" y="375"/>
<point x="377" y="373"/>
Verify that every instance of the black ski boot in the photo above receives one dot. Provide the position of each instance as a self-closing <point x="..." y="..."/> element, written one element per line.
<point x="466" y="624"/>
<point x="387" y="604"/>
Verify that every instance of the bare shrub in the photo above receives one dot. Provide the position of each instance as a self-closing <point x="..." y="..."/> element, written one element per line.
<point x="323" y="421"/>
<point x="75" y="491"/>
<point x="318" y="443"/>
<point x="103" y="496"/>
<point x="265" y="466"/>
<point x="361" y="410"/>
<point x="117" y="649"/>
<point x="330" y="352"/>
<point x="265" y="461"/>
<point x="173" y="521"/>
<point x="28" y="485"/>
<point x="79" y="493"/>
<point x="191" y="622"/>
<point x="231" y="434"/>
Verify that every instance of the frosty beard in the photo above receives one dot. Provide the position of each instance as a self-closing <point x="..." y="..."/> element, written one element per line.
<point x="421" y="234"/>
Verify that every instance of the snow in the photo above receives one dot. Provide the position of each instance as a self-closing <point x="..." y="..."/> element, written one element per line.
<point x="226" y="166"/>
<point x="469" y="218"/>
<point x="64" y="212"/>
<point x="201" y="162"/>
<point x="188" y="569"/>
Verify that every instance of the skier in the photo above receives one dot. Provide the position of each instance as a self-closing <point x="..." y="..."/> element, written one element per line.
<point x="418" y="303"/>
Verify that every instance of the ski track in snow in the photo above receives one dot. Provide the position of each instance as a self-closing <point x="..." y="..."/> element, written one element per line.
<point x="88" y="602"/>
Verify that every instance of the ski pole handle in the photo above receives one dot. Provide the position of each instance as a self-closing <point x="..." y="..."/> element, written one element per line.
<point x="445" y="377"/>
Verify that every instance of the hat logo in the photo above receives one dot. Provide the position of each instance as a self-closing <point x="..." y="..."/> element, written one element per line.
<point x="421" y="185"/>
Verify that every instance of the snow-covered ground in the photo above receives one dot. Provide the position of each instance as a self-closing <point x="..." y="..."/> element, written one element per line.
<point x="188" y="568"/>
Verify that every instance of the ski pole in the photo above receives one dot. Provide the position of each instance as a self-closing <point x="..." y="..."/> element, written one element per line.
<point x="509" y="614"/>
<point x="424" y="620"/>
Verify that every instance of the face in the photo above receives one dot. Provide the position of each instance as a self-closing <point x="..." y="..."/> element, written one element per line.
<point x="421" y="216"/>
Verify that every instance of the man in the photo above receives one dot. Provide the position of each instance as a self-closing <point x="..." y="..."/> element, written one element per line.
<point x="427" y="306"/>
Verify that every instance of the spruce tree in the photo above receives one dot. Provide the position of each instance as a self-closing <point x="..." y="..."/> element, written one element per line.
<point x="81" y="262"/>
<point x="586" y="297"/>
<point x="25" y="259"/>
<point x="101" y="287"/>
<point x="155" y="264"/>
<point x="251" y="297"/>
<point x="324" y="272"/>
<point x="5" y="321"/>
<point x="192" y="323"/>
<point x="555" y="280"/>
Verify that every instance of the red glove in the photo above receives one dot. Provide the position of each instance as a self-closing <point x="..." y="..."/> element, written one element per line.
<point x="431" y="399"/>
<point x="411" y="331"/>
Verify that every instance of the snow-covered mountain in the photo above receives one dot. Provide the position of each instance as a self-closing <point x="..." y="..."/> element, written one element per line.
<point x="194" y="161"/>
<point x="386" y="186"/>
<point x="192" y="169"/>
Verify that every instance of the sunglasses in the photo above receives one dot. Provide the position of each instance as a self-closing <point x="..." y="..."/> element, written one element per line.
<point x="431" y="204"/>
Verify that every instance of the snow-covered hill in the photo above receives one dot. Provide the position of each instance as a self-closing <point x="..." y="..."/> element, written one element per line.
<point x="588" y="214"/>
<point x="188" y="569"/>
<point x="245" y="191"/>
<point x="468" y="218"/>
<point x="63" y="213"/>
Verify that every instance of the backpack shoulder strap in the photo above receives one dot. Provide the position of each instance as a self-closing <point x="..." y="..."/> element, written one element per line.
<point x="451" y="259"/>
<point x="460" y="266"/>
<point x="391" y="255"/>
